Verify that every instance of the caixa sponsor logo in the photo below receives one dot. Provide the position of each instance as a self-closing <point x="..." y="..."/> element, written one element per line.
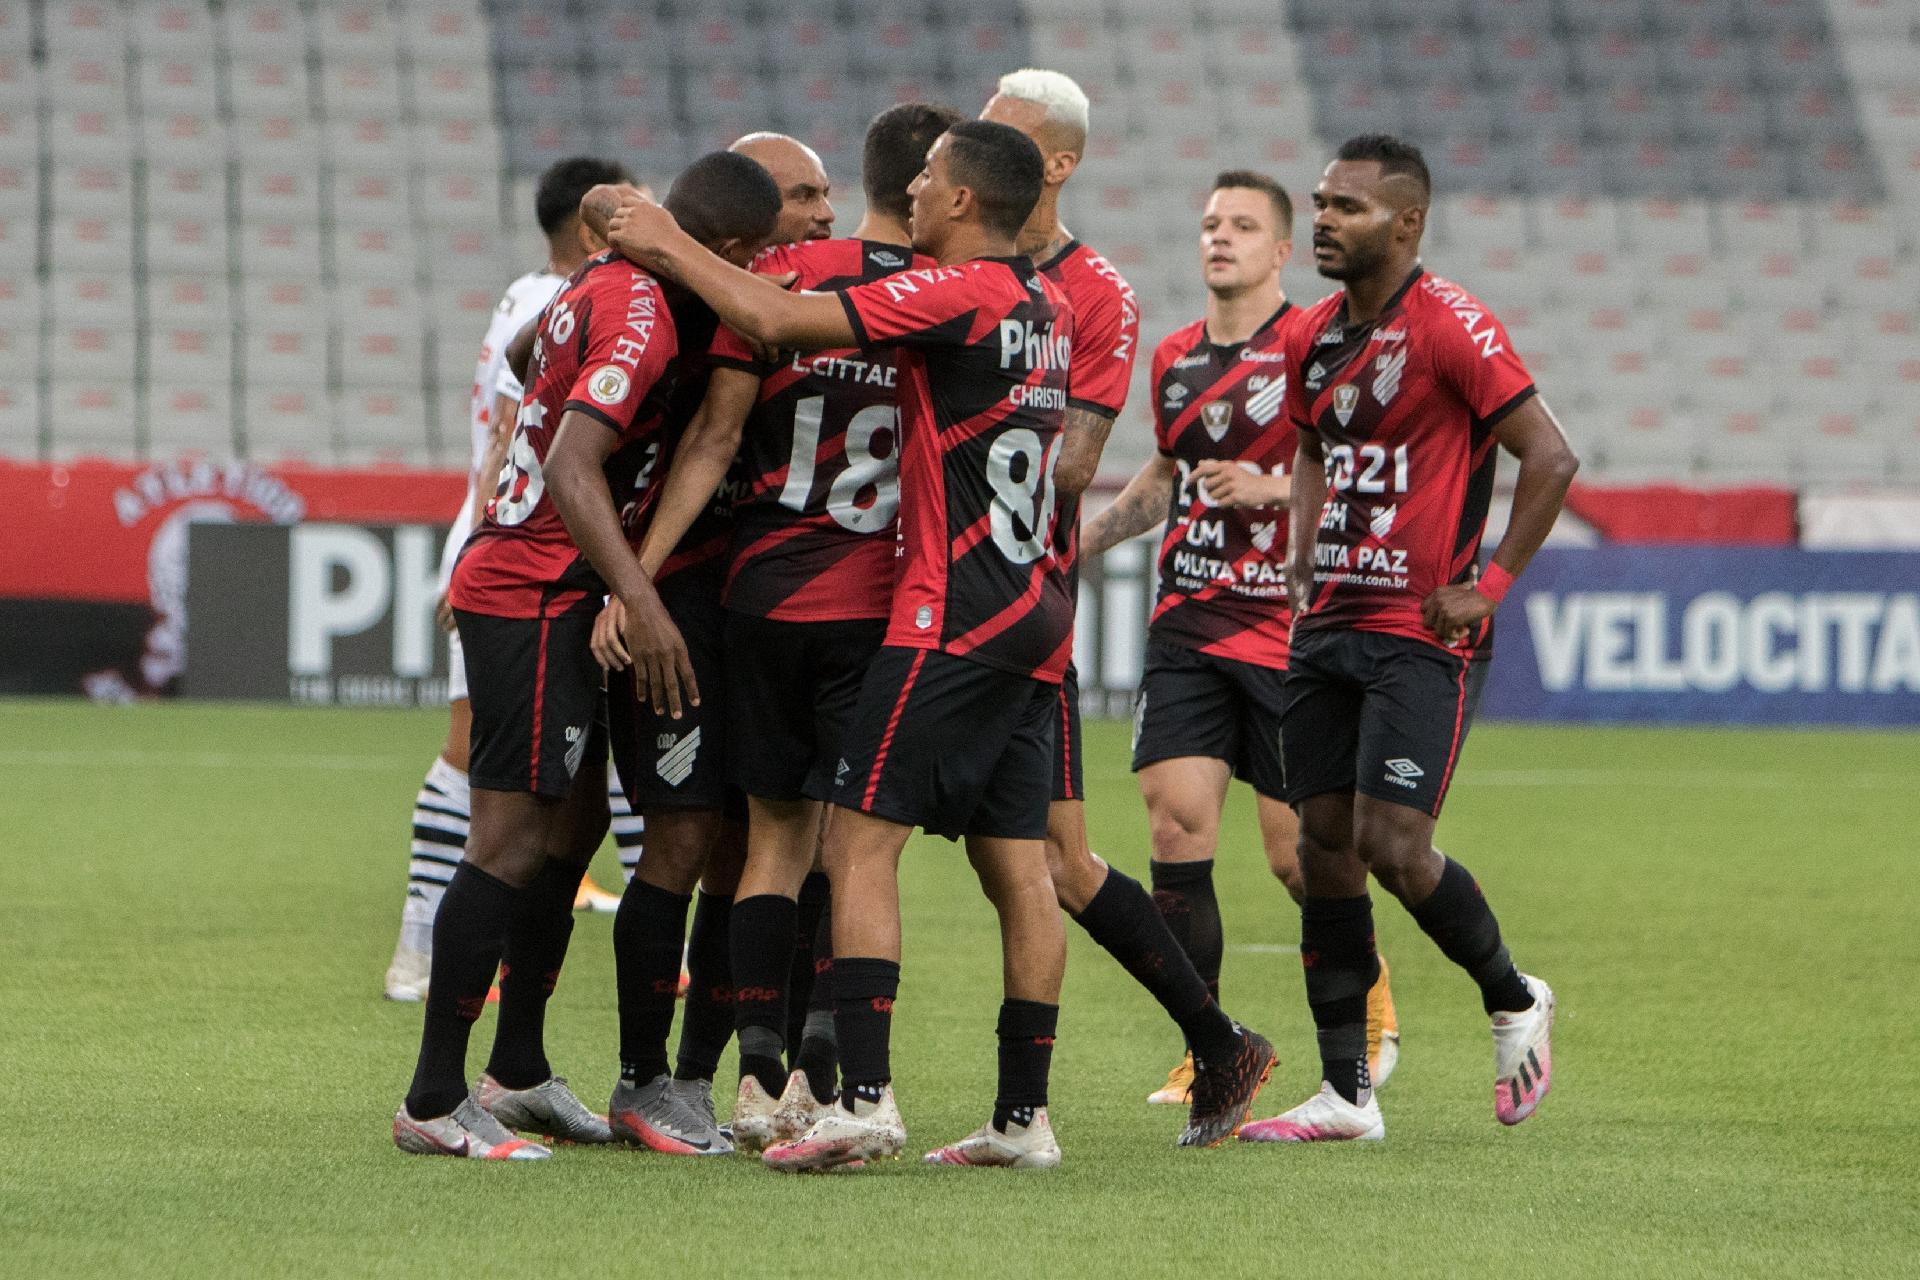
<point x="1776" y="642"/>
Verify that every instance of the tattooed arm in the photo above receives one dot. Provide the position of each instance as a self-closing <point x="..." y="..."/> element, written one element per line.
<point x="1140" y="506"/>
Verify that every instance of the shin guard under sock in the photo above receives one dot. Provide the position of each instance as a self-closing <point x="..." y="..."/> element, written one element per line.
<point x="1122" y="919"/>
<point x="469" y="934"/>
<point x="1026" y="1033"/>
<point x="1337" y="953"/>
<point x="864" y="991"/>
<point x="763" y="950"/>
<point x="709" y="1022"/>
<point x="1456" y="916"/>
<point x="647" y="933"/>
<point x="529" y="970"/>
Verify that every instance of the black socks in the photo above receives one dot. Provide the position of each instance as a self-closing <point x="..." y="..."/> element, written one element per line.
<point x="529" y="969"/>
<point x="646" y="956"/>
<point x="1337" y="952"/>
<point x="864" y="991"/>
<point x="815" y="904"/>
<point x="1184" y="893"/>
<point x="709" y="1022"/>
<point x="469" y="935"/>
<point x="819" y="1054"/>
<point x="1457" y="917"/>
<point x="763" y="953"/>
<point x="1026" y="1055"/>
<point x="1122" y="919"/>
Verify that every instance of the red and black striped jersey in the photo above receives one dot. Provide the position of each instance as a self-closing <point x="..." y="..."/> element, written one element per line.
<point x="1106" y="337"/>
<point x="1404" y="407"/>
<point x="1223" y="582"/>
<point x="984" y="361"/>
<point x="607" y="347"/>
<point x="819" y="471"/>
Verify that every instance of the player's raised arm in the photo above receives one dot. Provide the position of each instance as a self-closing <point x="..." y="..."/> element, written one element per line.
<point x="1140" y="506"/>
<point x="706" y="450"/>
<point x="754" y="306"/>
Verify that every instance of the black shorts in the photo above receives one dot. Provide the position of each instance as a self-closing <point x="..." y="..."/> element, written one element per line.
<point x="1382" y="715"/>
<point x="538" y="712"/>
<point x="1068" y="781"/>
<point x="791" y="692"/>
<point x="1196" y="704"/>
<point x="951" y="746"/>
<point x="673" y="765"/>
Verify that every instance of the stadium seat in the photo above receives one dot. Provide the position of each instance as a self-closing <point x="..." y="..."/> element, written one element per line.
<point x="1577" y="223"/>
<point x="375" y="197"/>
<point x="202" y="299"/>
<point x="265" y="85"/>
<point x="102" y="189"/>
<point x="265" y="29"/>
<point x="801" y="42"/>
<point x="283" y="356"/>
<point x="285" y="249"/>
<point x="88" y="242"/>
<point x="178" y="82"/>
<point x="454" y="198"/>
<point x="287" y="190"/>
<point x="444" y="32"/>
<point x="187" y="351"/>
<point x="293" y="422"/>
<point x="360" y="86"/>
<point x="281" y="139"/>
<point x="20" y="418"/>
<point x="171" y="28"/>
<point x="449" y="90"/>
<point x="1763" y="226"/>
<point x="92" y="297"/>
<point x="82" y="27"/>
<point x="188" y="242"/>
<point x="366" y="142"/>
<point x="95" y="417"/>
<point x="1747" y="440"/>
<point x="267" y="302"/>
<point x="454" y="144"/>
<point x="378" y="425"/>
<point x="349" y="30"/>
<point x="190" y="417"/>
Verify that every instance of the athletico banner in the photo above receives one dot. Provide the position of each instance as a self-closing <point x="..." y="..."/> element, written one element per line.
<point x="93" y="581"/>
<point x="1711" y="635"/>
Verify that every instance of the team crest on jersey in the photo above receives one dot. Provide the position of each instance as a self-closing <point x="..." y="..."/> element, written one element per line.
<point x="1346" y="398"/>
<point x="677" y="755"/>
<point x="1263" y="406"/>
<point x="1216" y="418"/>
<point x="1263" y="533"/>
<point x="1389" y="368"/>
<point x="1381" y="521"/>
<point x="609" y="384"/>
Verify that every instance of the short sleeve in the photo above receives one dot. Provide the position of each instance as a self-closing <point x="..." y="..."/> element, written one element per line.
<point x="1476" y="360"/>
<point x="627" y="350"/>
<point x="1163" y="358"/>
<point x="505" y="384"/>
<point x="1106" y="333"/>
<point x="1299" y="400"/>
<point x="916" y="308"/>
<point x="728" y="348"/>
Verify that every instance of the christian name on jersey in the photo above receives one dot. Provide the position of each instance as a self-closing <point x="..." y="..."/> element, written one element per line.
<point x="1404" y="407"/>
<point x="985" y="353"/>
<point x="814" y="532"/>
<point x="1222" y="570"/>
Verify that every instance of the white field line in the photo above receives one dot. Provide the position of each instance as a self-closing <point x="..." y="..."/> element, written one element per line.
<point x="161" y="761"/>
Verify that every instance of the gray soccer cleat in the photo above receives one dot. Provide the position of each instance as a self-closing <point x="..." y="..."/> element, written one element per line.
<point x="665" y="1115"/>
<point x="549" y="1108"/>
<point x="471" y="1133"/>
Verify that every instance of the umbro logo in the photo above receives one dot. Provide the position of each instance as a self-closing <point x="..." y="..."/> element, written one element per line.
<point x="840" y="772"/>
<point x="886" y="258"/>
<point x="675" y="764"/>
<point x="1315" y="376"/>
<point x="1402" y="772"/>
<point x="1176" y="393"/>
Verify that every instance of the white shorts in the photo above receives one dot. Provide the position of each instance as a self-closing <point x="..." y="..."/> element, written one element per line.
<point x="456" y="670"/>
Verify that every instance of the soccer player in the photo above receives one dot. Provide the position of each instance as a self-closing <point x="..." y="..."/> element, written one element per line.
<point x="952" y="729"/>
<point x="440" y="810"/>
<point x="808" y="587"/>
<point x="805" y="211"/>
<point x="1111" y="906"/>
<point x="1210" y="697"/>
<point x="1401" y="386"/>
<point x="525" y="592"/>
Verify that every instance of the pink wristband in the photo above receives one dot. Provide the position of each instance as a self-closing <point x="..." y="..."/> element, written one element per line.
<point x="1493" y="583"/>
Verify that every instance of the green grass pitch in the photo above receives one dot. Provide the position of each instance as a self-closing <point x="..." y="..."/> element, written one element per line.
<point x="196" y="903"/>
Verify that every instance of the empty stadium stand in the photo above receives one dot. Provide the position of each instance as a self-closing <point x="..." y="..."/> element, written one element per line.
<point x="274" y="228"/>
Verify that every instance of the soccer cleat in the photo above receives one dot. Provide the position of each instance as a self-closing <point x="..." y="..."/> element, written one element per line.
<point x="471" y="1133"/>
<point x="798" y="1108"/>
<point x="591" y="897"/>
<point x="1223" y="1095"/>
<point x="1022" y="1146"/>
<point x="1325" y="1117"/>
<point x="755" y="1124"/>
<point x="407" y="975"/>
<point x="549" y="1108"/>
<point x="842" y="1139"/>
<point x="655" y="1115"/>
<point x="1523" y="1055"/>
<point x="1383" y="1029"/>
<point x="1178" y="1090"/>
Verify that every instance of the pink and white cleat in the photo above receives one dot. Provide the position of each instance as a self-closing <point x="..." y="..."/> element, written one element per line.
<point x="1523" y="1055"/>
<point x="843" y="1139"/>
<point x="1325" y="1117"/>
<point x="1022" y="1146"/>
<point x="470" y="1133"/>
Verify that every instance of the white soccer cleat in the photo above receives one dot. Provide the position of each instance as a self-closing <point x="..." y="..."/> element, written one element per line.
<point x="754" y="1126"/>
<point x="1523" y="1055"/>
<point x="407" y="975"/>
<point x="1022" y="1146"/>
<point x="1325" y="1117"/>
<point x="470" y="1133"/>
<point x="798" y="1108"/>
<point x="842" y="1138"/>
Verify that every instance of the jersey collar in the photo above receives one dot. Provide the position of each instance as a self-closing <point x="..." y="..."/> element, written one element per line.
<point x="1393" y="303"/>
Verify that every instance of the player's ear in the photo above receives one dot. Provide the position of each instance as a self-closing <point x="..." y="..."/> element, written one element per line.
<point x="1413" y="220"/>
<point x="1282" y="253"/>
<point x="737" y="250"/>
<point x="1060" y="166"/>
<point x="590" y="244"/>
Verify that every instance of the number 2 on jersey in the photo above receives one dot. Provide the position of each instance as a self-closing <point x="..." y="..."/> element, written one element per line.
<point x="1372" y="461"/>
<point x="865" y="469"/>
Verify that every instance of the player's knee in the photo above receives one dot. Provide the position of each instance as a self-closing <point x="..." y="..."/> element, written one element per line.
<point x="1178" y="828"/>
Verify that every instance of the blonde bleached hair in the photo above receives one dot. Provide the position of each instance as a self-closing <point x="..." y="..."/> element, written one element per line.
<point x="1065" y="101"/>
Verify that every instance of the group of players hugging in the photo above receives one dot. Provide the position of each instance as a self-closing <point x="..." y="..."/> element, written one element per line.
<point x="788" y="526"/>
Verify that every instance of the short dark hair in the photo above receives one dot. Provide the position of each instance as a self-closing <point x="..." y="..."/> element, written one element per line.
<point x="896" y="149"/>
<point x="557" y="198"/>
<point x="1249" y="180"/>
<point x="1002" y="168"/>
<point x="1396" y="158"/>
<point x="724" y="196"/>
